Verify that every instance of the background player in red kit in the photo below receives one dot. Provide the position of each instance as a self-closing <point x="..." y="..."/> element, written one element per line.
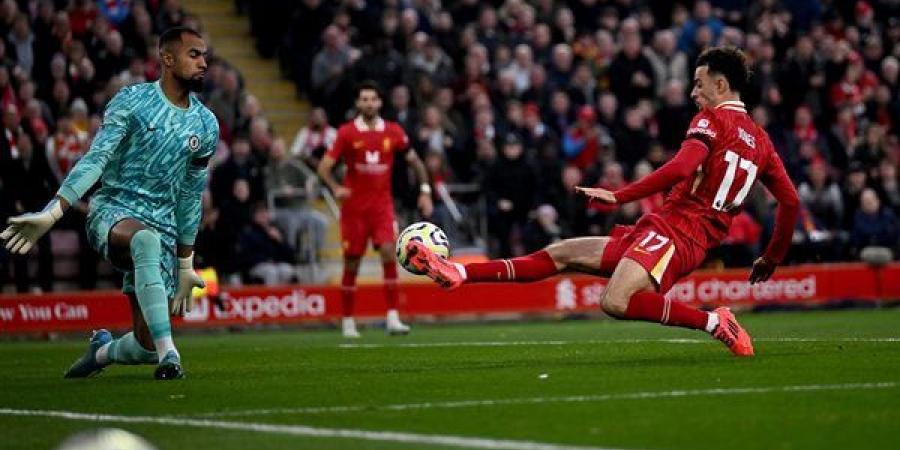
<point x="722" y="155"/>
<point x="367" y="145"/>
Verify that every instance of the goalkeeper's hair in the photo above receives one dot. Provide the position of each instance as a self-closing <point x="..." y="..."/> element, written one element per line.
<point x="729" y="62"/>
<point x="173" y="36"/>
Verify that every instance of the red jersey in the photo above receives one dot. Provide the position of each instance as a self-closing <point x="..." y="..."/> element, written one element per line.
<point x="723" y="154"/>
<point x="369" y="156"/>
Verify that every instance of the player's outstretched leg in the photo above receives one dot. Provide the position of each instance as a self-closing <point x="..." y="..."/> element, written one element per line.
<point x="631" y="295"/>
<point x="579" y="254"/>
<point x="151" y="295"/>
<point x="732" y="334"/>
<point x="89" y="365"/>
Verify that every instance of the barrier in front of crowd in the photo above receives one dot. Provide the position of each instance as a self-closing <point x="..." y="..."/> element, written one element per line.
<point x="251" y="306"/>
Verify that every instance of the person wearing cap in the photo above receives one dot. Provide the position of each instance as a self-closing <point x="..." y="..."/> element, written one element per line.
<point x="583" y="140"/>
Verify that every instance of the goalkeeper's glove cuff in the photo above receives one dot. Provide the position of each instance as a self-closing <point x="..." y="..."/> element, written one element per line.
<point x="54" y="208"/>
<point x="186" y="263"/>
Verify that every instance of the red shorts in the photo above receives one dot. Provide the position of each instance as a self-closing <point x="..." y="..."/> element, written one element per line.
<point x="666" y="255"/>
<point x="357" y="227"/>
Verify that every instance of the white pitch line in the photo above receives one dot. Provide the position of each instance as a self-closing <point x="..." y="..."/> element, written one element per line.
<point x="303" y="430"/>
<point x="602" y="341"/>
<point x="561" y="399"/>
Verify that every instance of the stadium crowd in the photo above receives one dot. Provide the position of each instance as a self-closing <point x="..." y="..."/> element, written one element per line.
<point x="60" y="63"/>
<point x="531" y="98"/>
<point x="525" y="99"/>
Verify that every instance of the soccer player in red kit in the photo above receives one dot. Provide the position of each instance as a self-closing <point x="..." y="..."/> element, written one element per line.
<point x="722" y="155"/>
<point x="367" y="145"/>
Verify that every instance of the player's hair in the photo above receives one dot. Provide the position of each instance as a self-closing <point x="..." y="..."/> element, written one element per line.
<point x="368" y="85"/>
<point x="729" y="62"/>
<point x="173" y="35"/>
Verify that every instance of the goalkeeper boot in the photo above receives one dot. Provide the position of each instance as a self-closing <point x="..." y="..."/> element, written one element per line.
<point x="87" y="365"/>
<point x="439" y="269"/>
<point x="730" y="332"/>
<point x="169" y="368"/>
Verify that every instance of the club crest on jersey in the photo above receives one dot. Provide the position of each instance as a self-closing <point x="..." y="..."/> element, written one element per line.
<point x="194" y="143"/>
<point x="386" y="144"/>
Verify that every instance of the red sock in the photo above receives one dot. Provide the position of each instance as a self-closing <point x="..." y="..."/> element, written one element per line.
<point x="391" y="295"/>
<point x="653" y="307"/>
<point x="348" y="292"/>
<point x="533" y="267"/>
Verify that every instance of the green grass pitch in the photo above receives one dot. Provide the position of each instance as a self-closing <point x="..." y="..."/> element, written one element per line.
<point x="827" y="379"/>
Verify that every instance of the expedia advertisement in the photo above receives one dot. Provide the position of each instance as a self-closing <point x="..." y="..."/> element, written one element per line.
<point x="251" y="306"/>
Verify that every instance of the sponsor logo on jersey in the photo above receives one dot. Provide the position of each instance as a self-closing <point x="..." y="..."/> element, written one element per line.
<point x="372" y="157"/>
<point x="703" y="131"/>
<point x="703" y="123"/>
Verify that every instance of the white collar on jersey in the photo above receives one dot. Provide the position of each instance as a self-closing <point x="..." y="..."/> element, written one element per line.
<point x="360" y="124"/>
<point x="733" y="105"/>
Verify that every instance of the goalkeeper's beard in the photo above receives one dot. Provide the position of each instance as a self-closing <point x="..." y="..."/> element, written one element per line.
<point x="191" y="84"/>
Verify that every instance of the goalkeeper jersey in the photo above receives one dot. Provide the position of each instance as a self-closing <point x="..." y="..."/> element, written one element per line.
<point x="151" y="158"/>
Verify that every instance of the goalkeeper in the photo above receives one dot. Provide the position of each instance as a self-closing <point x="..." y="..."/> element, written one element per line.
<point x="151" y="156"/>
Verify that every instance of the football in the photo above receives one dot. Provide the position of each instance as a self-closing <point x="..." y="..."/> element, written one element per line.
<point x="427" y="233"/>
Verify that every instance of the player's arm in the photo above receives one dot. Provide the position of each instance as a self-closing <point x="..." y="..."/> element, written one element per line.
<point x="188" y="212"/>
<point x="89" y="168"/>
<point x="326" y="167"/>
<point x="325" y="172"/>
<point x="25" y="230"/>
<point x="683" y="165"/>
<point x="424" y="201"/>
<point x="776" y="180"/>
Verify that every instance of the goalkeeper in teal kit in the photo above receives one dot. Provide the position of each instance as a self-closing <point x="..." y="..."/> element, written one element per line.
<point x="151" y="156"/>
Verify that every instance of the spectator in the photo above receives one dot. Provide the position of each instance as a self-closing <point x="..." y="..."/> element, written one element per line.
<point x="509" y="188"/>
<point x="741" y="245"/>
<point x="226" y="101"/>
<point x="401" y="110"/>
<point x="675" y="115"/>
<point x="585" y="141"/>
<point x="542" y="229"/>
<point x="263" y="251"/>
<point x="632" y="140"/>
<point x="600" y="214"/>
<point x="669" y="64"/>
<point x="314" y="139"/>
<point x="432" y="136"/>
<point x="240" y="165"/>
<point x="290" y="185"/>
<point x="874" y="225"/>
<point x="33" y="184"/>
<point x="822" y="197"/>
<point x="329" y="65"/>
<point x="888" y="187"/>
<point x="702" y="18"/>
<point x="631" y="74"/>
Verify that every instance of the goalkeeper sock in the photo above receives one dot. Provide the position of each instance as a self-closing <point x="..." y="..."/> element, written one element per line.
<point x="151" y="295"/>
<point x="126" y="350"/>
<point x="391" y="295"/>
<point x="653" y="307"/>
<point x="533" y="267"/>
<point x="348" y="292"/>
